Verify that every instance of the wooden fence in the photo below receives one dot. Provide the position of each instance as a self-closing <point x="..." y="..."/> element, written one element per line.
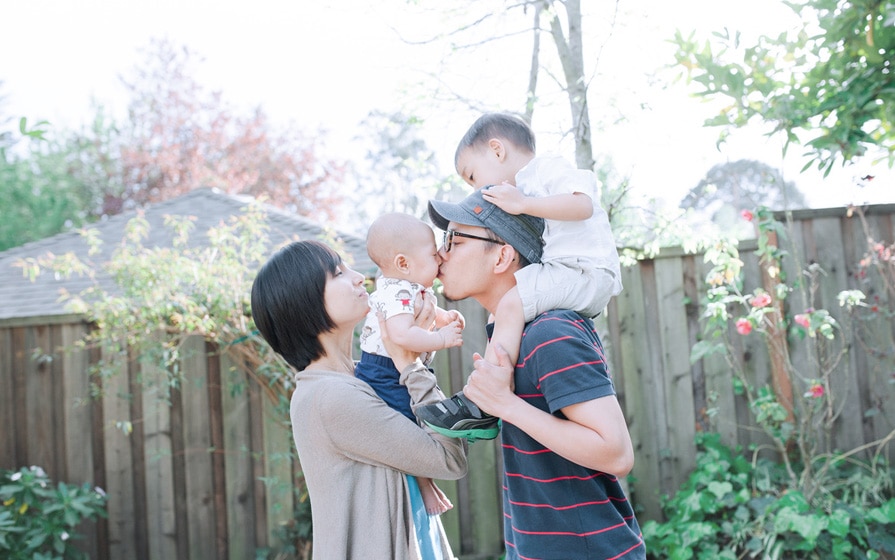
<point x="205" y="471"/>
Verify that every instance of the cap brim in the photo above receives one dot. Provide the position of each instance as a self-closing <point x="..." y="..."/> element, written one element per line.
<point x="443" y="213"/>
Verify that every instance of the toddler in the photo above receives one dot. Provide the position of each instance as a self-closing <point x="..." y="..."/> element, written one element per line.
<point x="579" y="269"/>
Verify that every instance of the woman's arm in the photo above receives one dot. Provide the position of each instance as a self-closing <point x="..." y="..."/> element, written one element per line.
<point x="363" y="426"/>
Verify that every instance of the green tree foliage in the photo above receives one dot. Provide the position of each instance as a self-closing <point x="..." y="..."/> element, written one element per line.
<point x="39" y="196"/>
<point x="831" y="83"/>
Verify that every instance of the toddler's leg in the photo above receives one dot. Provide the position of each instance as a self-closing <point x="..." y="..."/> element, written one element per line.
<point x="509" y="321"/>
<point x="434" y="499"/>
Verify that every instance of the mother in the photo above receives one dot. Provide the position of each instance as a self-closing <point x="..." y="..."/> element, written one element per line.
<point x="354" y="449"/>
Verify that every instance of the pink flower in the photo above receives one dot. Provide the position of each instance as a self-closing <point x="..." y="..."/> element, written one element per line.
<point x="761" y="300"/>
<point x="816" y="391"/>
<point x="802" y="319"/>
<point x="747" y="215"/>
<point x="744" y="327"/>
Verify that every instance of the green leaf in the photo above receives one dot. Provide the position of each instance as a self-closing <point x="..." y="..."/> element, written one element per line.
<point x="839" y="522"/>
<point x="704" y="348"/>
<point x="883" y="514"/>
<point x="720" y="489"/>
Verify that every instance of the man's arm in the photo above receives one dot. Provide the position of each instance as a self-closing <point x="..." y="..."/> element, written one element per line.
<point x="595" y="435"/>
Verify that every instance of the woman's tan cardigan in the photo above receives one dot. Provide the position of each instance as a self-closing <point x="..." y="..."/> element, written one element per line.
<point x="354" y="450"/>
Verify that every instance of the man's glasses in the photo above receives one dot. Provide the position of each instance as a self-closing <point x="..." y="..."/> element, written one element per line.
<point x="450" y="234"/>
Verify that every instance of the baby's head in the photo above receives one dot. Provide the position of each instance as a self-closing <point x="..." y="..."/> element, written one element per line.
<point x="494" y="149"/>
<point x="403" y="246"/>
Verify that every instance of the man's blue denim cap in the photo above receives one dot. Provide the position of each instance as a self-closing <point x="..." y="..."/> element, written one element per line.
<point x="523" y="232"/>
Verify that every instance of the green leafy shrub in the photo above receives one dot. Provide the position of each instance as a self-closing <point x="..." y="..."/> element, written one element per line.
<point x="39" y="520"/>
<point x="731" y="508"/>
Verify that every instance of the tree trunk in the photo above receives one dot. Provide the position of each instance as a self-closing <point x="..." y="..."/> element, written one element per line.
<point x="531" y="94"/>
<point x="571" y="57"/>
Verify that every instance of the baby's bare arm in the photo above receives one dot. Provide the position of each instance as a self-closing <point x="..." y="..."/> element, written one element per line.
<point x="406" y="334"/>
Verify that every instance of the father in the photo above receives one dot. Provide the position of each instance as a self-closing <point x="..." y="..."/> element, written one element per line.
<point x="564" y="437"/>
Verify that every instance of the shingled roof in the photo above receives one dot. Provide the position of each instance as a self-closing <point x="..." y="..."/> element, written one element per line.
<point x="23" y="301"/>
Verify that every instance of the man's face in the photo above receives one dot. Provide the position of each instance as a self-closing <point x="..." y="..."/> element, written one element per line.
<point x="465" y="269"/>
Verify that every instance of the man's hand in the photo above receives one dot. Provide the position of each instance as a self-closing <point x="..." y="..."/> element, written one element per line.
<point x="506" y="197"/>
<point x="490" y="386"/>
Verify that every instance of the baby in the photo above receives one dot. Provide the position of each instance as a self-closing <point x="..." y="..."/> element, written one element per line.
<point x="403" y="247"/>
<point x="579" y="269"/>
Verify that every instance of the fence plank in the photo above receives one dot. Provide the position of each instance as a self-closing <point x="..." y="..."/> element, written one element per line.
<point x="237" y="465"/>
<point x="675" y="374"/>
<point x="199" y="503"/>
<point x="854" y="247"/>
<point x="39" y="403"/>
<point x="755" y="360"/>
<point x="160" y="518"/>
<point x="123" y="515"/>
<point x="719" y="391"/>
<point x="632" y="361"/>
<point x="8" y="459"/>
<point x="77" y="422"/>
<point x="277" y="468"/>
<point x="830" y="255"/>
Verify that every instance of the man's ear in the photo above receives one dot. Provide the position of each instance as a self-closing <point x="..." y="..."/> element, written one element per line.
<point x="507" y="259"/>
<point x="497" y="148"/>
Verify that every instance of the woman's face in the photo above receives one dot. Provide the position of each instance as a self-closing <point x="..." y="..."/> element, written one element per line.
<point x="345" y="297"/>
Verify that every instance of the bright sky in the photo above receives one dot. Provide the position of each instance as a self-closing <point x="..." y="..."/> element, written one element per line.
<point x="326" y="64"/>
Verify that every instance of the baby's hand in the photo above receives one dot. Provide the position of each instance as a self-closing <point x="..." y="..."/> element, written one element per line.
<point x="506" y="197"/>
<point x="451" y="335"/>
<point x="454" y="315"/>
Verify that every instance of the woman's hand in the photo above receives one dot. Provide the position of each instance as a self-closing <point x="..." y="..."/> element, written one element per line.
<point x="425" y="309"/>
<point x="400" y="355"/>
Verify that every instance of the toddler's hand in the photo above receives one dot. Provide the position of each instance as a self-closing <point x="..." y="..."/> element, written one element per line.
<point x="506" y="197"/>
<point x="451" y="334"/>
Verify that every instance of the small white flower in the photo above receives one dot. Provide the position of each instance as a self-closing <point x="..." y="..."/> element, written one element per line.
<point x="15" y="476"/>
<point x="64" y="536"/>
<point x="38" y="471"/>
<point x="100" y="491"/>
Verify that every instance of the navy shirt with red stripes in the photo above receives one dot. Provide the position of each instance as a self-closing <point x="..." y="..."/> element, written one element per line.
<point x="554" y="508"/>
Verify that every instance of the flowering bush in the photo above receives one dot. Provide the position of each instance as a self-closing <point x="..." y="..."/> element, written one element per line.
<point x="39" y="520"/>
<point x="808" y="499"/>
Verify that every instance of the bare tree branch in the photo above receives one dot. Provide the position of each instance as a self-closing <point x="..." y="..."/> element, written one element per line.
<point x="531" y="93"/>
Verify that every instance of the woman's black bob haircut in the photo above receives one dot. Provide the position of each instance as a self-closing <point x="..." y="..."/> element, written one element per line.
<point x="287" y="300"/>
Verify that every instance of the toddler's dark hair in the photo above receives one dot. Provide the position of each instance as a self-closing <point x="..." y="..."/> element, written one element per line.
<point x="497" y="125"/>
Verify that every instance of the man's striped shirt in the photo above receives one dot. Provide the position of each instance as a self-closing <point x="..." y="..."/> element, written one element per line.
<point x="553" y="508"/>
